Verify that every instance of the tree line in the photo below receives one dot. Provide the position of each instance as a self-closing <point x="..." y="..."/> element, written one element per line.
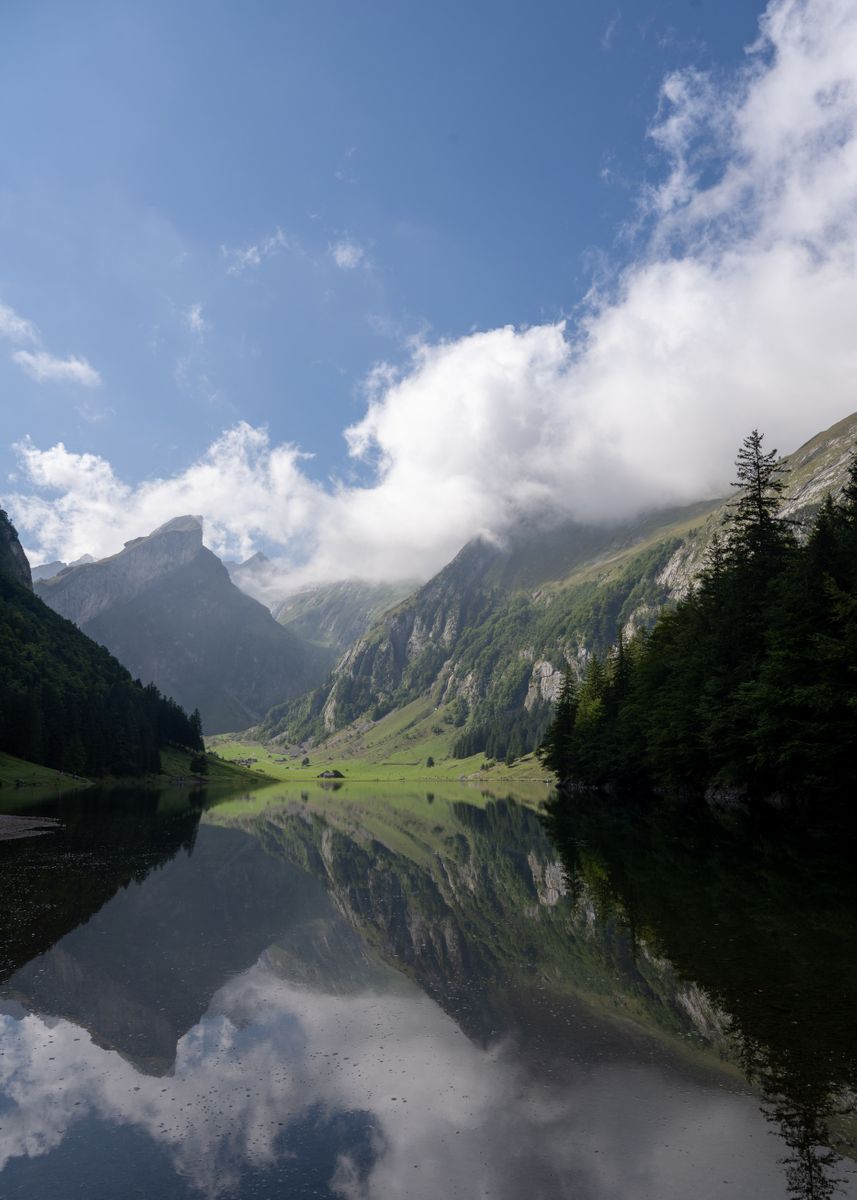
<point x="67" y="703"/>
<point x="749" y="683"/>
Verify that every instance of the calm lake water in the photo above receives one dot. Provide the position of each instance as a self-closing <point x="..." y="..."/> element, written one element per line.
<point x="346" y="994"/>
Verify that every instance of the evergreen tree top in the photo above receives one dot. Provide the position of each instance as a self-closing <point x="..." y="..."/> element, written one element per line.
<point x="757" y="526"/>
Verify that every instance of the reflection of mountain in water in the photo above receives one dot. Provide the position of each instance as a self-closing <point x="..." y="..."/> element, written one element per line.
<point x="142" y="970"/>
<point x="471" y="905"/>
<point x="671" y="926"/>
<point x="471" y="902"/>
<point x="766" y="928"/>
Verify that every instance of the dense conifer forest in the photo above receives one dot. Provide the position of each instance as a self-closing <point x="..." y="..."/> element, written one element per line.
<point x="66" y="703"/>
<point x="750" y="682"/>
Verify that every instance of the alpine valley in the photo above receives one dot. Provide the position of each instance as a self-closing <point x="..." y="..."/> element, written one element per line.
<point x="442" y="677"/>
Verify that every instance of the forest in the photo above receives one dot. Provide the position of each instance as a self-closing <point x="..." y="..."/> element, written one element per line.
<point x="748" y="684"/>
<point x="67" y="703"/>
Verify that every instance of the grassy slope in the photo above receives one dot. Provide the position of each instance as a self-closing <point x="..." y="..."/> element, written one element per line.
<point x="394" y="749"/>
<point x="175" y="764"/>
<point x="34" y="776"/>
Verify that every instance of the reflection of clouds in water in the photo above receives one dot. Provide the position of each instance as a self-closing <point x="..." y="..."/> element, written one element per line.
<point x="448" y="1119"/>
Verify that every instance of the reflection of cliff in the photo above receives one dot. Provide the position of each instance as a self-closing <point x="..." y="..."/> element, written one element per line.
<point x="471" y="902"/>
<point x="142" y="971"/>
<point x="765" y="928"/>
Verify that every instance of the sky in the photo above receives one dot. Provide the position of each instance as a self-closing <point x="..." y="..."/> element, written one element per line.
<point x="356" y="283"/>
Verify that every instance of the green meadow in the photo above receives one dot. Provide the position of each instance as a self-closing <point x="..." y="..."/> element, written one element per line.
<point x="396" y="749"/>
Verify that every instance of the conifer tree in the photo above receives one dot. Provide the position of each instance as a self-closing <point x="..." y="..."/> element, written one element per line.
<point x="757" y="529"/>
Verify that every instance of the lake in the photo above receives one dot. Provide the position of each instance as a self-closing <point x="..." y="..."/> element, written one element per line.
<point x="341" y="992"/>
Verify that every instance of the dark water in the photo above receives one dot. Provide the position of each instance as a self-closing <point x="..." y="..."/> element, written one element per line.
<point x="336" y="994"/>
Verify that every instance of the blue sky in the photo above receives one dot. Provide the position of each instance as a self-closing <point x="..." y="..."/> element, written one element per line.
<point x="479" y="155"/>
<point x="219" y="213"/>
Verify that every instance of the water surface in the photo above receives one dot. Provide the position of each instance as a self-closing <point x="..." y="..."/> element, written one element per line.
<point x="344" y="994"/>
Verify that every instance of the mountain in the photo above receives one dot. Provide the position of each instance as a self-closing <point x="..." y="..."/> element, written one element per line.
<point x="485" y="642"/>
<point x="337" y="614"/>
<point x="65" y="702"/>
<point x="248" y="574"/>
<point x="166" y="607"/>
<point x="49" y="570"/>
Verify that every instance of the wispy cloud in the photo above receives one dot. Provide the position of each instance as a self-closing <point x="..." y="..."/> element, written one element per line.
<point x="195" y="321"/>
<point x="94" y="414"/>
<point x="15" y="328"/>
<point x="40" y="364"/>
<point x="344" y="173"/>
<point x="610" y="32"/>
<point x="347" y="254"/>
<point x="240" y="259"/>
<point x="47" y="368"/>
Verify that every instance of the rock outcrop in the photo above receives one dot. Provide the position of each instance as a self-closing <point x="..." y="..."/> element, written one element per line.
<point x="13" y="560"/>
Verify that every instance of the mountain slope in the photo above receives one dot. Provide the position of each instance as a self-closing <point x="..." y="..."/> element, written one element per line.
<point x="488" y="638"/>
<point x="337" y="614"/>
<point x="165" y="606"/>
<point x="65" y="702"/>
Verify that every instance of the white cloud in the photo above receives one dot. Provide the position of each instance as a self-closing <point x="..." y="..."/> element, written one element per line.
<point x="347" y="254"/>
<point x="15" y="328"/>
<point x="246" y="489"/>
<point x="45" y="367"/>
<point x="738" y="312"/>
<point x="39" y="364"/>
<point x="239" y="259"/>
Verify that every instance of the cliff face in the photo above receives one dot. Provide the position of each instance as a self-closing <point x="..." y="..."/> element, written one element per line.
<point x="496" y="627"/>
<point x="165" y="606"/>
<point x="13" y="560"/>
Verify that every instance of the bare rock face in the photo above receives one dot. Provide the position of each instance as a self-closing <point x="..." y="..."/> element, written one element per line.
<point x="545" y="682"/>
<point x="81" y="593"/>
<point x="13" y="560"/>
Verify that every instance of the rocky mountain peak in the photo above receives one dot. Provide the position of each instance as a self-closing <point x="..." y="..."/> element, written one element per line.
<point x="82" y="592"/>
<point x="182" y="525"/>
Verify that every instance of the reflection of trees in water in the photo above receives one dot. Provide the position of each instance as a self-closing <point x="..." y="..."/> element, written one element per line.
<point x="766" y="928"/>
<point x="108" y="838"/>
<point x="801" y="1109"/>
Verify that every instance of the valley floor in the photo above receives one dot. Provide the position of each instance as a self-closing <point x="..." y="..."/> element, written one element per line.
<point x="407" y="745"/>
